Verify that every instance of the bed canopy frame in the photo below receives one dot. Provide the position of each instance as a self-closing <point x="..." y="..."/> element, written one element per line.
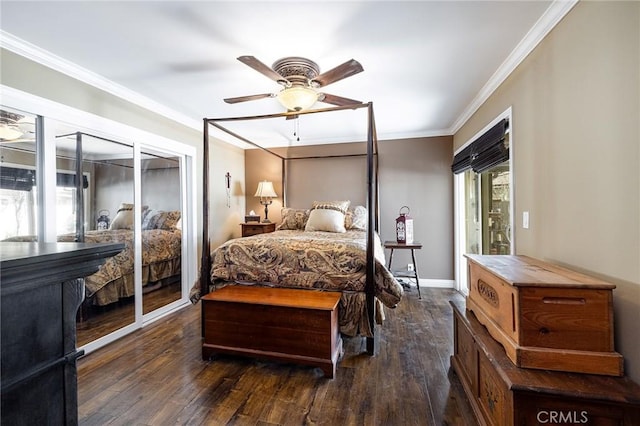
<point x="372" y="194"/>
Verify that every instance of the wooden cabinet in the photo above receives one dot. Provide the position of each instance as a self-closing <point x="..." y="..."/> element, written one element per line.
<point x="249" y="229"/>
<point x="40" y="295"/>
<point x="545" y="316"/>
<point x="503" y="394"/>
<point x="291" y="325"/>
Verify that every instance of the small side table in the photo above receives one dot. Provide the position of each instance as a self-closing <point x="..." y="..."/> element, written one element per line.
<point x="255" y="228"/>
<point x="392" y="245"/>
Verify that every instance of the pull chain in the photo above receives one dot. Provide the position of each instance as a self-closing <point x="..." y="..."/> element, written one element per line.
<point x="296" y="128"/>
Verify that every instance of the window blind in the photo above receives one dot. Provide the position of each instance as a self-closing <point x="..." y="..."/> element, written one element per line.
<point x="17" y="179"/>
<point x="25" y="179"/>
<point x="486" y="151"/>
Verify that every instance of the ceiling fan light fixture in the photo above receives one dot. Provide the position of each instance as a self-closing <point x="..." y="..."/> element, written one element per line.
<point x="9" y="129"/>
<point x="298" y="98"/>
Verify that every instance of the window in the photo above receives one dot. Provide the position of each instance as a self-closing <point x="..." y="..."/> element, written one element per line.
<point x="484" y="195"/>
<point x="18" y="198"/>
<point x="17" y="213"/>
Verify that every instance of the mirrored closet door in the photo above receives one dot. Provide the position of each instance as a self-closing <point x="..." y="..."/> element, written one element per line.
<point x="65" y="182"/>
<point x="94" y="204"/>
<point x="160" y="178"/>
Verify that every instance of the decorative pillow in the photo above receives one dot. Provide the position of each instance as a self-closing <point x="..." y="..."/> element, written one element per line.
<point x="124" y="217"/>
<point x="159" y="219"/>
<point x="294" y="219"/>
<point x="325" y="220"/>
<point x="356" y="218"/>
<point x="340" y="206"/>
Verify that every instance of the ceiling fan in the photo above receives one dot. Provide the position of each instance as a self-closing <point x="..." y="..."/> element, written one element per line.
<point x="301" y="79"/>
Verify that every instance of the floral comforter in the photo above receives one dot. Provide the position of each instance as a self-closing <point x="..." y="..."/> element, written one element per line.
<point x="310" y="260"/>
<point x="161" y="250"/>
<point x="320" y="260"/>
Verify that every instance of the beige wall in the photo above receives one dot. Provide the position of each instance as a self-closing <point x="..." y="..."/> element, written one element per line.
<point x="225" y="215"/>
<point x="260" y="165"/>
<point x="417" y="173"/>
<point x="576" y="148"/>
<point x="413" y="172"/>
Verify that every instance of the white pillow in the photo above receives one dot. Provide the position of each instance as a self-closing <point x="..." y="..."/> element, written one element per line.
<point x="124" y="217"/>
<point x="325" y="220"/>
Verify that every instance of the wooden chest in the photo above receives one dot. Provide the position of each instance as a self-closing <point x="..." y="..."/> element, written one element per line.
<point x="299" y="326"/>
<point x="545" y="316"/>
<point x="502" y="394"/>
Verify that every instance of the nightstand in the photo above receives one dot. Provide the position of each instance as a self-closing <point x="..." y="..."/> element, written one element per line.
<point x="391" y="245"/>
<point x="255" y="228"/>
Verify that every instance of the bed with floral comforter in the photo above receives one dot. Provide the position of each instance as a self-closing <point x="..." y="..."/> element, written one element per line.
<point x="313" y="260"/>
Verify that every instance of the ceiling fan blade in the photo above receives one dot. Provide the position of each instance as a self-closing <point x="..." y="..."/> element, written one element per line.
<point x="249" y="98"/>
<point x="336" y="100"/>
<point x="259" y="66"/>
<point x="349" y="68"/>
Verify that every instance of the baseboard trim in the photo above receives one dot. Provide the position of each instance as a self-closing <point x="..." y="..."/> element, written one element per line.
<point x="427" y="282"/>
<point x="437" y="283"/>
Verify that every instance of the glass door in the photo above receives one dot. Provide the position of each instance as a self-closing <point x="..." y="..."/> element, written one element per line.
<point x="483" y="210"/>
<point x="161" y="188"/>
<point x="95" y="204"/>
<point x="472" y="220"/>
<point x="496" y="210"/>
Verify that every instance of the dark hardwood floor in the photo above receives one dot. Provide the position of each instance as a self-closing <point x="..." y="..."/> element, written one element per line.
<point x="102" y="320"/>
<point x="156" y="376"/>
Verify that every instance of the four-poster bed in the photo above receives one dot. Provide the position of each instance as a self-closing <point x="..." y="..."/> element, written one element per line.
<point x="373" y="279"/>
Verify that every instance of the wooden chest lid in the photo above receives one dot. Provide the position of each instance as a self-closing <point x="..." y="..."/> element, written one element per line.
<point x="285" y="297"/>
<point x="525" y="271"/>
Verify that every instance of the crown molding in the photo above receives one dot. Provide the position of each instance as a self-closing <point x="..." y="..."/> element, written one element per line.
<point x="30" y="51"/>
<point x="554" y="13"/>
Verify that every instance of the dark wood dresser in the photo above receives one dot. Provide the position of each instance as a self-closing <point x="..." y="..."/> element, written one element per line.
<point x="40" y="291"/>
<point x="534" y="345"/>
<point x="503" y="394"/>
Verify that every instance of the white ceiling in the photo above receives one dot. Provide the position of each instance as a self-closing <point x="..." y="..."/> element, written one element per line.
<point x="427" y="64"/>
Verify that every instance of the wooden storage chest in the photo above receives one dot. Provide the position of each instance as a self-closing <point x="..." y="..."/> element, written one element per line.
<point x="299" y="326"/>
<point x="545" y="316"/>
<point x="503" y="394"/>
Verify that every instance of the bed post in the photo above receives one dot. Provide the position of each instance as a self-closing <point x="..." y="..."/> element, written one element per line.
<point x="79" y="191"/>
<point x="206" y="254"/>
<point x="284" y="182"/>
<point x="371" y="227"/>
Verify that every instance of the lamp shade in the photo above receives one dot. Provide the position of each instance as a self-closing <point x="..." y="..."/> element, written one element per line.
<point x="265" y="190"/>
<point x="297" y="98"/>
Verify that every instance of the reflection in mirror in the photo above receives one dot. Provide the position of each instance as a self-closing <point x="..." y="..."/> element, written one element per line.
<point x="161" y="229"/>
<point x="99" y="174"/>
<point x="94" y="204"/>
<point x="18" y="196"/>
